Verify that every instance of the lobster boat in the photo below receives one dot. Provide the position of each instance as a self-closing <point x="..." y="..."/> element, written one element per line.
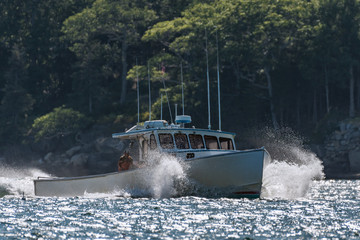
<point x="210" y="156"/>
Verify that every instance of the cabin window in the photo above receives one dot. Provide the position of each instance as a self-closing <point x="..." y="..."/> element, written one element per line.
<point x="166" y="140"/>
<point x="226" y="143"/>
<point x="211" y="142"/>
<point x="181" y="141"/>
<point x="144" y="149"/>
<point x="196" y="141"/>
<point x="152" y="142"/>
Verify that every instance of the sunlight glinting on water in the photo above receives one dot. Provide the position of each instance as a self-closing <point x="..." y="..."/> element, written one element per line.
<point x="331" y="209"/>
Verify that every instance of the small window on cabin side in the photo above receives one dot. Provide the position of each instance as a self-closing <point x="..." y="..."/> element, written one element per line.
<point x="181" y="141"/>
<point x="166" y="141"/>
<point x="196" y="141"/>
<point x="144" y="145"/>
<point x="152" y="142"/>
<point x="226" y="143"/>
<point x="211" y="142"/>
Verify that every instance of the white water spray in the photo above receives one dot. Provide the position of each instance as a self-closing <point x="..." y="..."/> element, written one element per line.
<point x="286" y="180"/>
<point x="15" y="181"/>
<point x="293" y="168"/>
<point x="164" y="175"/>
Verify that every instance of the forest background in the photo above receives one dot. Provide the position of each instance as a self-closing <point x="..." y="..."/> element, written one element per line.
<point x="66" y="66"/>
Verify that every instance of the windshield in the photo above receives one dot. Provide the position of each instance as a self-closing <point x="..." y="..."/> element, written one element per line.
<point x="166" y="140"/>
<point x="181" y="141"/>
<point x="196" y="141"/>
<point x="226" y="143"/>
<point x="211" y="142"/>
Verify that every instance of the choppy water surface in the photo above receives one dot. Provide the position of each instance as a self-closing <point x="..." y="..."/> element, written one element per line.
<point x="330" y="209"/>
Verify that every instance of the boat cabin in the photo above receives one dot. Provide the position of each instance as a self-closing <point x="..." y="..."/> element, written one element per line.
<point x="177" y="140"/>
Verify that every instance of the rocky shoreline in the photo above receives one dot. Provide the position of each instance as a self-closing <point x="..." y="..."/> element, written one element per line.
<point x="97" y="157"/>
<point x="341" y="151"/>
<point x="86" y="153"/>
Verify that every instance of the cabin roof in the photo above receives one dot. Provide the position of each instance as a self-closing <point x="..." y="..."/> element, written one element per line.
<point x="130" y="134"/>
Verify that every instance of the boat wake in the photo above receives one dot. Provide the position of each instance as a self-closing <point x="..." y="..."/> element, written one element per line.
<point x="15" y="181"/>
<point x="293" y="168"/>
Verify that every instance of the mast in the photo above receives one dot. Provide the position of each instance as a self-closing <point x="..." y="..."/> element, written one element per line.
<point x="161" y="107"/>
<point x="168" y="101"/>
<point x="218" y="79"/>
<point x="149" y="94"/>
<point x="182" y="89"/>
<point x="175" y="110"/>
<point x="207" y="76"/>
<point x="137" y="90"/>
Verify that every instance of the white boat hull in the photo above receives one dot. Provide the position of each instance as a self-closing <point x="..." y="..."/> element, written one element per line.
<point x="78" y="186"/>
<point x="238" y="173"/>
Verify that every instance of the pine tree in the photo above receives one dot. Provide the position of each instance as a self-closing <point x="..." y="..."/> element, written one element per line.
<point x="16" y="102"/>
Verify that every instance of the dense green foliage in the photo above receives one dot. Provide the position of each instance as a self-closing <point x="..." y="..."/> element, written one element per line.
<point x="60" y="122"/>
<point x="282" y="62"/>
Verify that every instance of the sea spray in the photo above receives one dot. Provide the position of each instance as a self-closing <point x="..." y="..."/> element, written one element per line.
<point x="288" y="181"/>
<point x="164" y="175"/>
<point x="18" y="181"/>
<point x="293" y="167"/>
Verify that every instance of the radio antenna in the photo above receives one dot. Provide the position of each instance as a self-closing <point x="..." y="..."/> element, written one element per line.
<point x="149" y="93"/>
<point x="168" y="101"/>
<point x="218" y="79"/>
<point x="207" y="77"/>
<point x="175" y="110"/>
<point x="137" y="90"/>
<point x="161" y="108"/>
<point x="182" y="89"/>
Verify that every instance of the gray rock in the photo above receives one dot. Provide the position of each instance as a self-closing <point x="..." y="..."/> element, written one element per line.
<point x="109" y="145"/>
<point x="347" y="135"/>
<point x="354" y="160"/>
<point x="342" y="127"/>
<point x="79" y="159"/>
<point x="48" y="157"/>
<point x="72" y="151"/>
<point x="355" y="135"/>
<point x="338" y="135"/>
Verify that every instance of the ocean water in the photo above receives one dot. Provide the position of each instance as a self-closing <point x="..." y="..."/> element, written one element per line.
<point x="296" y="203"/>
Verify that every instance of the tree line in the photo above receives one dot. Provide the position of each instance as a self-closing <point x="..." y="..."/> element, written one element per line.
<point x="281" y="62"/>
